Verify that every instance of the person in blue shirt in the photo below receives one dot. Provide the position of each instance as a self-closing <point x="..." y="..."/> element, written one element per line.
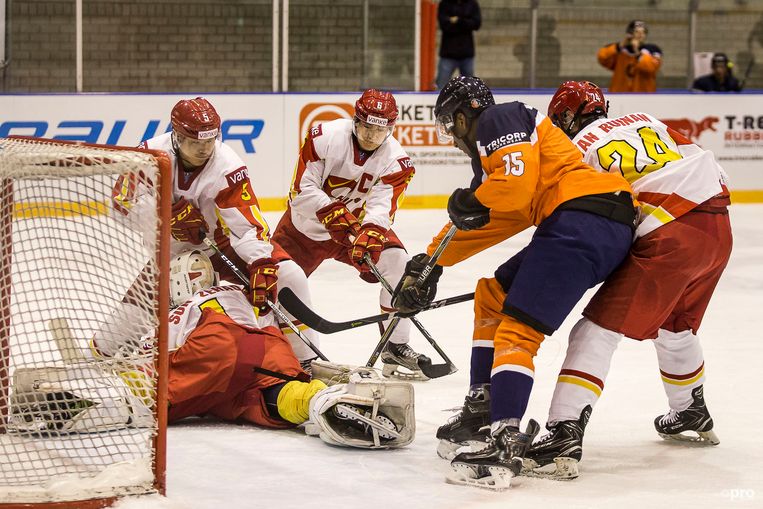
<point x="721" y="79"/>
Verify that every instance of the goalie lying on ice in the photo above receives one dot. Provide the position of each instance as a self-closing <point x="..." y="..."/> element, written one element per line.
<point x="226" y="362"/>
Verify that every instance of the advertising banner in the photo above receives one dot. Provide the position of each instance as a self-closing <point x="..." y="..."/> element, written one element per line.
<point x="266" y="130"/>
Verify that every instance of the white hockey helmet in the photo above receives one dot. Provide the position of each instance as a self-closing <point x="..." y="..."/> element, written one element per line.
<point x="190" y="272"/>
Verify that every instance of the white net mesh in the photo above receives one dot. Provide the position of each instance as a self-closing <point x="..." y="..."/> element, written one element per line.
<point x="77" y="415"/>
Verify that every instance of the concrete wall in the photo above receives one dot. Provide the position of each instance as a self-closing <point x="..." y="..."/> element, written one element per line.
<point x="226" y="45"/>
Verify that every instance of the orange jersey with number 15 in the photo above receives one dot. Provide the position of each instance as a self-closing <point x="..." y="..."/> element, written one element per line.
<point x="530" y="167"/>
<point x="527" y="169"/>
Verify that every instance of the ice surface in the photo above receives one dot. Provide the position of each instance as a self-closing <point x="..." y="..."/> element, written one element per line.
<point x="626" y="465"/>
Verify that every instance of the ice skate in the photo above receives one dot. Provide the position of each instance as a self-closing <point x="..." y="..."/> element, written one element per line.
<point x="494" y="466"/>
<point x="362" y="419"/>
<point x="469" y="427"/>
<point x="695" y="419"/>
<point x="557" y="453"/>
<point x="399" y="355"/>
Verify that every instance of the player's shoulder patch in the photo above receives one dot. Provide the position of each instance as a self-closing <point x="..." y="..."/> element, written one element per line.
<point x="405" y="163"/>
<point x="506" y="124"/>
<point x="315" y="131"/>
<point x="237" y="176"/>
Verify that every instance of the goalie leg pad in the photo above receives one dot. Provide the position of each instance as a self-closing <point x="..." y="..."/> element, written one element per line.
<point x="79" y="398"/>
<point x="366" y="413"/>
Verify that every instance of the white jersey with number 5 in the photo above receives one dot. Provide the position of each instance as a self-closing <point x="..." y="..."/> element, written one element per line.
<point x="222" y="192"/>
<point x="669" y="174"/>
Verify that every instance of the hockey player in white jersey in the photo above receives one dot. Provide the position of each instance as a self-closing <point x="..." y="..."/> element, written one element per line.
<point x="348" y="183"/>
<point x="212" y="195"/>
<point x="226" y="361"/>
<point x="661" y="291"/>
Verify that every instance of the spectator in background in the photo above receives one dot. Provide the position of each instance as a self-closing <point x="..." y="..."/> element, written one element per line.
<point x="721" y="79"/>
<point x="634" y="62"/>
<point x="457" y="20"/>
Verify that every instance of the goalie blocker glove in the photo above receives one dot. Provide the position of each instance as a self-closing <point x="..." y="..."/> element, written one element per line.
<point x="411" y="298"/>
<point x="465" y="210"/>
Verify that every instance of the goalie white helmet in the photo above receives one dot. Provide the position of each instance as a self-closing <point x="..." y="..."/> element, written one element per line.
<point x="190" y="272"/>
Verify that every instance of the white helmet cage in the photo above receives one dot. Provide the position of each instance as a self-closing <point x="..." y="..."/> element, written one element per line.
<point x="190" y="272"/>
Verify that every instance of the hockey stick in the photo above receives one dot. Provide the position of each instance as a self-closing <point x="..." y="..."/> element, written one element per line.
<point x="430" y="370"/>
<point x="65" y="341"/>
<point x="280" y="314"/>
<point x="423" y="276"/>
<point x="432" y="261"/>
<point x="304" y="314"/>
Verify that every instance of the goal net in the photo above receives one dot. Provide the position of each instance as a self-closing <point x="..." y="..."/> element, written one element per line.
<point x="83" y="307"/>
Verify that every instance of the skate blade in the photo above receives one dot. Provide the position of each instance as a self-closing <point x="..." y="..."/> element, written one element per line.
<point x="562" y="469"/>
<point x="701" y="438"/>
<point x="448" y="450"/>
<point x="402" y="373"/>
<point x="499" y="479"/>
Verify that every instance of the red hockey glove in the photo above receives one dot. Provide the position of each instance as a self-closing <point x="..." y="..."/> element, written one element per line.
<point x="370" y="239"/>
<point x="264" y="283"/>
<point x="339" y="222"/>
<point x="187" y="223"/>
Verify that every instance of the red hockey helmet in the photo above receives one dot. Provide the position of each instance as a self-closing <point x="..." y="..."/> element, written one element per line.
<point x="573" y="99"/>
<point x="195" y="118"/>
<point x="376" y="108"/>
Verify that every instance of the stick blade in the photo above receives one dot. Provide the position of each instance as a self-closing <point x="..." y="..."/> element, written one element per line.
<point x="437" y="370"/>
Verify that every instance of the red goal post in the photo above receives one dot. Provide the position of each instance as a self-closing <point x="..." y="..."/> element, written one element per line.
<point x="80" y="429"/>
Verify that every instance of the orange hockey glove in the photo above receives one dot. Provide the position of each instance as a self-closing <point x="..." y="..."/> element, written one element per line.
<point x="370" y="239"/>
<point x="187" y="223"/>
<point x="264" y="283"/>
<point x="340" y="222"/>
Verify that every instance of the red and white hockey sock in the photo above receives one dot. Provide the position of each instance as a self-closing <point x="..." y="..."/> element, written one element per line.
<point x="682" y="366"/>
<point x="584" y="370"/>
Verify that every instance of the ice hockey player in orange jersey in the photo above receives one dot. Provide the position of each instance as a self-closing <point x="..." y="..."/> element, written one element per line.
<point x="527" y="173"/>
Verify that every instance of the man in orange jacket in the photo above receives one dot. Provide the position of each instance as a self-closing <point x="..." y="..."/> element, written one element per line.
<point x="634" y="62"/>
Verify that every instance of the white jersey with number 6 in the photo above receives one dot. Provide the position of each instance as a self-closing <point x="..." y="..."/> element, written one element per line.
<point x="332" y="167"/>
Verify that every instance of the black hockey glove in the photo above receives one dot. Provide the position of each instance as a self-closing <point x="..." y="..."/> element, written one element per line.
<point x="465" y="210"/>
<point x="409" y="298"/>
